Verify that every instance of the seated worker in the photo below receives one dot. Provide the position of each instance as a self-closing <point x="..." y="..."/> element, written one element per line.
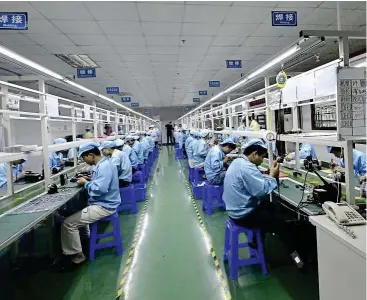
<point x="18" y="171"/>
<point x="191" y="146"/>
<point x="201" y="149"/>
<point x="179" y="138"/>
<point x="88" y="134"/>
<point x="188" y="141"/>
<point x="154" y="134"/>
<point x="130" y="153"/>
<point x="138" y="148"/>
<point x="56" y="158"/>
<point x="359" y="159"/>
<point x="304" y="151"/>
<point x="150" y="141"/>
<point x="71" y="151"/>
<point x="145" y="145"/>
<point x="119" y="144"/>
<point x="216" y="162"/>
<point x="104" y="198"/>
<point x="120" y="160"/>
<point x="245" y="191"/>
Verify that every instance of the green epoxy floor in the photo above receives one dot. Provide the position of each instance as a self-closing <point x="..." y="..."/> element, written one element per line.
<point x="172" y="259"/>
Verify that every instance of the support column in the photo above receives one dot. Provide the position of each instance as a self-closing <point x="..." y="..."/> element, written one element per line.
<point x="95" y="120"/>
<point x="44" y="133"/>
<point x="116" y="122"/>
<point x="230" y="121"/>
<point x="73" y="131"/>
<point x="349" y="171"/>
<point x="211" y="116"/>
<point x="269" y="120"/>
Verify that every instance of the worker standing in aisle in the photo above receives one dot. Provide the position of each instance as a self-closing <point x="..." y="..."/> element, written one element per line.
<point x="56" y="158"/>
<point x="104" y="198"/>
<point x="18" y="171"/>
<point x="245" y="191"/>
<point x="200" y="149"/>
<point x="169" y="130"/>
<point x="216" y="161"/>
<point x="88" y="134"/>
<point x="130" y="141"/>
<point x="305" y="150"/>
<point x="359" y="160"/>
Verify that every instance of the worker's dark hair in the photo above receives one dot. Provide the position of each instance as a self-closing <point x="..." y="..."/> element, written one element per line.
<point x="230" y="145"/>
<point x="255" y="148"/>
<point x="94" y="151"/>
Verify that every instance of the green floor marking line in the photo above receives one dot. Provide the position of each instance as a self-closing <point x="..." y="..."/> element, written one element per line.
<point x="137" y="233"/>
<point x="218" y="269"/>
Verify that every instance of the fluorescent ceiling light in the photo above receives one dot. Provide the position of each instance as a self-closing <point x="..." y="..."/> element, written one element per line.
<point x="362" y="64"/>
<point x="78" y="60"/>
<point x="28" y="62"/>
<point x="74" y="84"/>
<point x="273" y="62"/>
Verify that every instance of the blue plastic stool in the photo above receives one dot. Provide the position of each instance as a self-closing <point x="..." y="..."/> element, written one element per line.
<point x="232" y="244"/>
<point x="212" y="197"/>
<point x="179" y="154"/>
<point x="128" y="199"/>
<point x="198" y="189"/>
<point x="191" y="174"/>
<point x="198" y="174"/>
<point x="176" y="145"/>
<point x="138" y="177"/>
<point x="95" y="236"/>
<point x="140" y="191"/>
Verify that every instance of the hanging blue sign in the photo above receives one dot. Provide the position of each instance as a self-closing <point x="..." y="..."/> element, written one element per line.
<point x="125" y="99"/>
<point x="86" y="73"/>
<point x="195" y="99"/>
<point x="234" y="64"/>
<point x="203" y="93"/>
<point x="284" y="18"/>
<point x="14" y="21"/>
<point x="214" y="84"/>
<point x="112" y="90"/>
<point x="134" y="104"/>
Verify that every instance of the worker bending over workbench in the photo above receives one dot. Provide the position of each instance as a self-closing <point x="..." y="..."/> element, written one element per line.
<point x="245" y="195"/>
<point x="104" y="198"/>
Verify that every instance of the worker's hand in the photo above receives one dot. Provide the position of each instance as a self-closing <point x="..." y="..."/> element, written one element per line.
<point x="274" y="170"/>
<point x="21" y="174"/>
<point x="81" y="181"/>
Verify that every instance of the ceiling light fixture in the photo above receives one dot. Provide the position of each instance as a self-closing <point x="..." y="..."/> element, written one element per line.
<point x="262" y="69"/>
<point x="77" y="60"/>
<point x="20" y="58"/>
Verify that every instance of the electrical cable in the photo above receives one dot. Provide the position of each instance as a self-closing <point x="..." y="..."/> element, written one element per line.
<point x="303" y="192"/>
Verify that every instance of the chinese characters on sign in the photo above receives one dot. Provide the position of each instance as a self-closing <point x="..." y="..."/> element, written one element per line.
<point x="203" y="93"/>
<point x="214" y="84"/>
<point x="14" y="21"/>
<point x="195" y="99"/>
<point x="234" y="64"/>
<point x="86" y="73"/>
<point x="125" y="99"/>
<point x="112" y="90"/>
<point x="135" y="104"/>
<point x="284" y="18"/>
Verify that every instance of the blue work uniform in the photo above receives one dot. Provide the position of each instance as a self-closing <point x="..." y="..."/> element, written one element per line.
<point x="138" y="148"/>
<point x="56" y="159"/>
<point x="103" y="189"/>
<point x="151" y="143"/>
<point x="131" y="155"/>
<point x="123" y="164"/>
<point x="244" y="187"/>
<point x="146" y="148"/>
<point x="359" y="163"/>
<point x="306" y="150"/>
<point x="16" y="171"/>
<point x="179" y="139"/>
<point x="188" y="141"/>
<point x="200" y="150"/>
<point x="214" y="165"/>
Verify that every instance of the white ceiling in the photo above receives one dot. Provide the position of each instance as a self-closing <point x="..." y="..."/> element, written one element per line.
<point x="138" y="45"/>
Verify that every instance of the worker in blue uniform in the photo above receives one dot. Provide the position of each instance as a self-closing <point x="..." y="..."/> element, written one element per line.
<point x="245" y="195"/>
<point x="104" y="198"/>
<point x="216" y="162"/>
<point x="130" y="153"/>
<point x="150" y="141"/>
<point x="56" y="158"/>
<point x="145" y="146"/>
<point x="179" y="138"/>
<point x="188" y="141"/>
<point x="18" y="171"/>
<point x="359" y="159"/>
<point x="190" y="147"/>
<point x="305" y="150"/>
<point x="201" y="149"/>
<point x="138" y="148"/>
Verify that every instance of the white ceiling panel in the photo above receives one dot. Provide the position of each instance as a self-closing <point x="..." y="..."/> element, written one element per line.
<point x="161" y="12"/>
<point x="320" y="16"/>
<point x="126" y="40"/>
<point x="266" y="30"/>
<point x="200" y="29"/>
<point x="55" y="10"/>
<point x="50" y="39"/>
<point x="196" y="41"/>
<point x="119" y="27"/>
<point x="8" y="6"/>
<point x="16" y="39"/>
<point x="205" y="13"/>
<point x="133" y="57"/>
<point x="299" y="4"/>
<point x="193" y="50"/>
<point x="165" y="40"/>
<point x="31" y="50"/>
<point x="89" y="39"/>
<point x="161" y="28"/>
<point x="224" y="41"/>
<point x="356" y="17"/>
<point x="255" y="3"/>
<point x="131" y="50"/>
<point x="163" y="50"/>
<point x="103" y="49"/>
<point x="77" y="27"/>
<point x="258" y="41"/>
<point x="166" y="58"/>
<point x="117" y="10"/>
<point x="253" y="15"/>
<point x="227" y="29"/>
<point x="103" y="57"/>
<point x="41" y="27"/>
<point x="221" y="50"/>
<point x="343" y="4"/>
